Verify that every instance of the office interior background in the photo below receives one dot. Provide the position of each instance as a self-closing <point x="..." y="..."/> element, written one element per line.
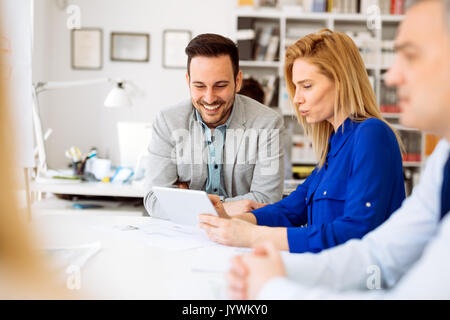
<point x="80" y="40"/>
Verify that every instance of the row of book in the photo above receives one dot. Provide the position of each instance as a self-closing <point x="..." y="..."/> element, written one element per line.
<point x="413" y="144"/>
<point x="257" y="42"/>
<point x="354" y="6"/>
<point x="388" y="99"/>
<point x="336" y="6"/>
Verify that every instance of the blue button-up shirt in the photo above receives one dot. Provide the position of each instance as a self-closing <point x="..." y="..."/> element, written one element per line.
<point x="215" y="142"/>
<point x="357" y="189"/>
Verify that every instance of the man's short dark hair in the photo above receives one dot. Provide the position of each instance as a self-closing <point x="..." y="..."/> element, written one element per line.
<point x="213" y="45"/>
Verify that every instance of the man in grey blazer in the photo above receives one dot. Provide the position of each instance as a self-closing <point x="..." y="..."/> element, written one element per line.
<point x="218" y="141"/>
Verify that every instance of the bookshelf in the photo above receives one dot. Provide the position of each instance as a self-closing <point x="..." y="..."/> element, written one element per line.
<point x="376" y="47"/>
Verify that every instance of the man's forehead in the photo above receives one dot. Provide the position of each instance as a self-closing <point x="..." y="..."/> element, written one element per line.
<point x="423" y="25"/>
<point x="211" y="67"/>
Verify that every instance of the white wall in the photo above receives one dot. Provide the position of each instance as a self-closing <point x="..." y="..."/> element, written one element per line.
<point x="76" y="115"/>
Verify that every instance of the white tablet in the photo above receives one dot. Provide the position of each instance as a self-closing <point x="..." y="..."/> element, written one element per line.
<point x="182" y="205"/>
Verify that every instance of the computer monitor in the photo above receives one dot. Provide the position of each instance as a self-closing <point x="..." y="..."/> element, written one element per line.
<point x="134" y="138"/>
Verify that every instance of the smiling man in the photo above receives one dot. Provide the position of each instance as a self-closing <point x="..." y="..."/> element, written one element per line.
<point x="218" y="141"/>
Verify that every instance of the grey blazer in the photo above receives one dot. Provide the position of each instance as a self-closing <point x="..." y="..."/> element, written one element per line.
<point x="252" y="159"/>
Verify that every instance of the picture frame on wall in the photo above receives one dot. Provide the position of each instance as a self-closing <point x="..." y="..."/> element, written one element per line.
<point x="87" y="49"/>
<point x="130" y="47"/>
<point x="174" y="44"/>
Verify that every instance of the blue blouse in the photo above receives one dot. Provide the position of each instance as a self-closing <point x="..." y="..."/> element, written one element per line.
<point x="356" y="190"/>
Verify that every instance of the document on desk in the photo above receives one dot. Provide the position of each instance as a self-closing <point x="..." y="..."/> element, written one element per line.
<point x="68" y="259"/>
<point x="163" y="234"/>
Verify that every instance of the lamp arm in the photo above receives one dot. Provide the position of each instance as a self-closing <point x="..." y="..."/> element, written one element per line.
<point x="44" y="86"/>
<point x="37" y="124"/>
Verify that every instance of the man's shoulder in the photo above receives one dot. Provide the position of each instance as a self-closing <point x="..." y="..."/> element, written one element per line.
<point x="440" y="153"/>
<point x="176" y="115"/>
<point x="257" y="113"/>
<point x="177" y="110"/>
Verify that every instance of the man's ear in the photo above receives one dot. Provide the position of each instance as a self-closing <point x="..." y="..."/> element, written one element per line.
<point x="239" y="81"/>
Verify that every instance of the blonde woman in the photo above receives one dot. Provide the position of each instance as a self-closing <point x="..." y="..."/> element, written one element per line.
<point x="358" y="181"/>
<point x="23" y="272"/>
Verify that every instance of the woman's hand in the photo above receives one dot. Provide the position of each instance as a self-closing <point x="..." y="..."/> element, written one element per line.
<point x="227" y="231"/>
<point x="249" y="273"/>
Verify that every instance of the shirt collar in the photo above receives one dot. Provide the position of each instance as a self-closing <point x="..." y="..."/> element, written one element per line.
<point x="338" y="138"/>
<point x="225" y="125"/>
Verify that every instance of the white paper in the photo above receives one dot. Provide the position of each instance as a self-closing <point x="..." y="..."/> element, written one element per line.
<point x="162" y="234"/>
<point x="64" y="257"/>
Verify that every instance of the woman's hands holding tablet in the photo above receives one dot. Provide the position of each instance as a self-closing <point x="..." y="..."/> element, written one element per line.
<point x="227" y="230"/>
<point x="239" y="230"/>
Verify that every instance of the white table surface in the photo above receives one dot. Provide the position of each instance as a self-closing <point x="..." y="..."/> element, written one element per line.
<point x="128" y="269"/>
<point x="90" y="188"/>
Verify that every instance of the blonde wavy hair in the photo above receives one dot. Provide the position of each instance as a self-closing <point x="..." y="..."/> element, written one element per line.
<point x="337" y="57"/>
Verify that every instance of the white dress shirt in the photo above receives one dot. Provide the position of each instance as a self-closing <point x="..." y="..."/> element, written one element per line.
<point x="407" y="257"/>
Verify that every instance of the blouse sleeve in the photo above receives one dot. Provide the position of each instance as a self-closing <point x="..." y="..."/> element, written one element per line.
<point x="289" y="212"/>
<point x="375" y="189"/>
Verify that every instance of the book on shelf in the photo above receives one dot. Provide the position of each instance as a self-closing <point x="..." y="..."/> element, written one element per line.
<point x="413" y="145"/>
<point x="285" y="105"/>
<point x="362" y="6"/>
<point x="272" y="99"/>
<point x="319" y="6"/>
<point x="302" y="150"/>
<point x="262" y="43"/>
<point x="245" y="38"/>
<point x="385" y="6"/>
<point x="244" y="3"/>
<point x="270" y="87"/>
<point x="397" y="6"/>
<point x="389" y="108"/>
<point x="431" y="142"/>
<point x="272" y="48"/>
<point x="342" y="6"/>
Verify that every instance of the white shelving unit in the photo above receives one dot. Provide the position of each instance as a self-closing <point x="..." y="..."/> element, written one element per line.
<point x="314" y="22"/>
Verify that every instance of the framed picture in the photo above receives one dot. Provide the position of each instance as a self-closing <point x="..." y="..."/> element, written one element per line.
<point x="174" y="43"/>
<point x="87" y="48"/>
<point x="132" y="47"/>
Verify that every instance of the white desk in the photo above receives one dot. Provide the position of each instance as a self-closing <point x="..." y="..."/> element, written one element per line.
<point x="41" y="205"/>
<point x="90" y="189"/>
<point x="114" y="190"/>
<point x="52" y="206"/>
<point x="127" y="269"/>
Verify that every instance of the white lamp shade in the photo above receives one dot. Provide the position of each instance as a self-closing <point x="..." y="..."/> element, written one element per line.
<point x="117" y="97"/>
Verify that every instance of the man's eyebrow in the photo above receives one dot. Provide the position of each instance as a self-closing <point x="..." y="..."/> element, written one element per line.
<point x="218" y="82"/>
